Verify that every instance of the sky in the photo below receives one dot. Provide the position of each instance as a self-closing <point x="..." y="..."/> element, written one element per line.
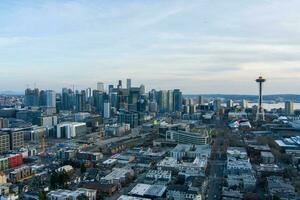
<point x="199" y="46"/>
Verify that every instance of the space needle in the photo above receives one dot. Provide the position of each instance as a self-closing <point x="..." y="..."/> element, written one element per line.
<point x="260" y="116"/>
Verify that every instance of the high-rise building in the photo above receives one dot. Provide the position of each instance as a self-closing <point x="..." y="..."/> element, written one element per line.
<point x="100" y="86"/>
<point x="119" y="84"/>
<point x="106" y="111"/>
<point x="4" y="123"/>
<point x="16" y="140"/>
<point x="68" y="99"/>
<point x="177" y="100"/>
<point x="4" y="142"/>
<point x="110" y="88"/>
<point x="32" y="97"/>
<point x="88" y="93"/>
<point x="244" y="104"/>
<point x="289" y="108"/>
<point x="217" y="104"/>
<point x="50" y="98"/>
<point x="134" y="95"/>
<point x="162" y="101"/>
<point x="42" y="98"/>
<point x="229" y="104"/>
<point x="142" y="89"/>
<point x="131" y="118"/>
<point x="201" y="100"/>
<point x="80" y="101"/>
<point x="114" y="99"/>
<point x="128" y="83"/>
<point x="170" y="101"/>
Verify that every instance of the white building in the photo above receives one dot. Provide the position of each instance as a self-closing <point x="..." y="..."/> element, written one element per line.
<point x="106" y="111"/>
<point x="70" y="129"/>
<point x="117" y="176"/>
<point x="71" y="195"/>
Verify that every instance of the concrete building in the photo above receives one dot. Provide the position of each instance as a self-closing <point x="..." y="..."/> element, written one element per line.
<point x="131" y="118"/>
<point x="128" y="83"/>
<point x="106" y="110"/>
<point x="190" y="151"/>
<point x="16" y="140"/>
<point x="72" y="195"/>
<point x="118" y="176"/>
<point x="267" y="157"/>
<point x="289" y="108"/>
<point x="151" y="191"/>
<point x="4" y="123"/>
<point x="70" y="129"/>
<point x="4" y="142"/>
<point x="126" y="197"/>
<point x="117" y="129"/>
<point x="160" y="177"/>
<point x="20" y="174"/>
<point x="280" y="188"/>
<point x="100" y="86"/>
<point x="238" y="161"/>
<point x="91" y="156"/>
<point x="50" y="98"/>
<point x="185" y="137"/>
<point x="182" y="192"/>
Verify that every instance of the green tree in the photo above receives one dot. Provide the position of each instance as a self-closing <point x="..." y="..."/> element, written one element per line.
<point x="82" y="168"/>
<point x="42" y="196"/>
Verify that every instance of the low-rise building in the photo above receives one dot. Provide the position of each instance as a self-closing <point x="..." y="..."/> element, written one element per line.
<point x="126" y="197"/>
<point x="280" y="188"/>
<point x="182" y="192"/>
<point x="185" y="137"/>
<point x="91" y="156"/>
<point x="151" y="191"/>
<point x="267" y="157"/>
<point x="72" y="195"/>
<point x="20" y="174"/>
<point x="158" y="176"/>
<point x="118" y="176"/>
<point x="117" y="129"/>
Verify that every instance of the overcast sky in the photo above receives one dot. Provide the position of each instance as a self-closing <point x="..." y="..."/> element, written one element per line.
<point x="199" y="46"/>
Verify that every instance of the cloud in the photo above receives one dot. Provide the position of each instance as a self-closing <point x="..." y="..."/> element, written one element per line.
<point x="199" y="46"/>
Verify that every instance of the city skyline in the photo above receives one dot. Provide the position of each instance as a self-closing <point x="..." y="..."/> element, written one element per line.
<point x="202" y="47"/>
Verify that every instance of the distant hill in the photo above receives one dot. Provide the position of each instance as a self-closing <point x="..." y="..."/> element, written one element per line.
<point x="11" y="93"/>
<point x="237" y="97"/>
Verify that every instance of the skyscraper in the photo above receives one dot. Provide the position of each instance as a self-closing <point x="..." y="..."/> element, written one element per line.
<point x="177" y="100"/>
<point x="201" y="100"/>
<point x="68" y="99"/>
<point x="106" y="110"/>
<point x="217" y="104"/>
<point x="229" y="104"/>
<point x="119" y="84"/>
<point x="244" y="104"/>
<point x="50" y="98"/>
<point x="170" y="101"/>
<point x="100" y="86"/>
<point x="31" y="97"/>
<point x="289" y="108"/>
<point x="162" y="101"/>
<point x="128" y="83"/>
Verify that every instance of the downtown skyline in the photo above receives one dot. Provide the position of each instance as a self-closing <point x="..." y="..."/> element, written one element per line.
<point x="201" y="47"/>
